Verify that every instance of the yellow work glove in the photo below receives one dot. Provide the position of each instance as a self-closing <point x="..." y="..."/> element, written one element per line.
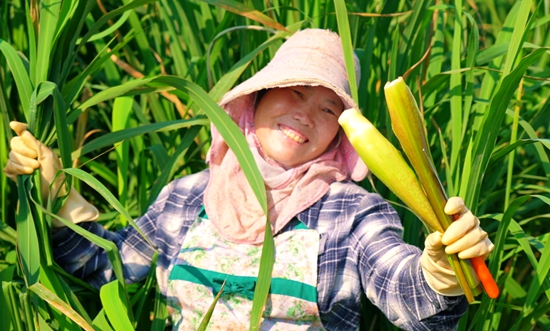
<point x="28" y="154"/>
<point x="465" y="237"/>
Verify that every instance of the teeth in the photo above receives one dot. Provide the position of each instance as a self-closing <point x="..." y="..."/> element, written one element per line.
<point x="293" y="136"/>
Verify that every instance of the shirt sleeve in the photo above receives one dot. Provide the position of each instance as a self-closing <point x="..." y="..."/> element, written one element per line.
<point x="391" y="274"/>
<point x="89" y="262"/>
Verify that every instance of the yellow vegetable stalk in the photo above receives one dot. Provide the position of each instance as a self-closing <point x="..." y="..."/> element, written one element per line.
<point x="408" y="127"/>
<point x="387" y="164"/>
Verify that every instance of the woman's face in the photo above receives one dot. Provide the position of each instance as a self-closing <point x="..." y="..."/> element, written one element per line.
<point x="296" y="124"/>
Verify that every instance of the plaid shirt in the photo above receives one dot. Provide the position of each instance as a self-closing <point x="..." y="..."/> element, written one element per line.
<point x="360" y="250"/>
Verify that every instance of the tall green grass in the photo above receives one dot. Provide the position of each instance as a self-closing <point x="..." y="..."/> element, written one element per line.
<point x="121" y="90"/>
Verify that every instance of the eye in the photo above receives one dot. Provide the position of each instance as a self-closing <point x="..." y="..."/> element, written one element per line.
<point x="298" y="93"/>
<point x="329" y="111"/>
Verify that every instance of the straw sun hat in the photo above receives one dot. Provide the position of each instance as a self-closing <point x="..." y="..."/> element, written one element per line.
<point x="311" y="57"/>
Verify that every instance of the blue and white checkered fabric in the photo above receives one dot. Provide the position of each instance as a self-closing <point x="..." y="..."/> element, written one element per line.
<point x="361" y="250"/>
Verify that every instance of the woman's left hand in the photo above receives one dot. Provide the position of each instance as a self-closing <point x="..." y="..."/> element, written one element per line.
<point x="464" y="237"/>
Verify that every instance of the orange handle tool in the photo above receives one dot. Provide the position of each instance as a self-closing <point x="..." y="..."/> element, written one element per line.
<point x="484" y="275"/>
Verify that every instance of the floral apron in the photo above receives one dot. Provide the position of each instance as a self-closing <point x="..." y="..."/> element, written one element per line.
<point x="207" y="260"/>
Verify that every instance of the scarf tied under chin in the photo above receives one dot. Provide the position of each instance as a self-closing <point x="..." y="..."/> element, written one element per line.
<point x="229" y="201"/>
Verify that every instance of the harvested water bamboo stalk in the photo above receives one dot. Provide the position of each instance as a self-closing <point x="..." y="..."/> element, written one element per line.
<point x="408" y="127"/>
<point x="387" y="164"/>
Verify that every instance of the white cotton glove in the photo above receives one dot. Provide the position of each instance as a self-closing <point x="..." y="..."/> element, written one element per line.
<point x="465" y="237"/>
<point x="28" y="154"/>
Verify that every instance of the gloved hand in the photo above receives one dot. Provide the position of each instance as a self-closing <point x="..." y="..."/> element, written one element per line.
<point x="465" y="237"/>
<point x="28" y="154"/>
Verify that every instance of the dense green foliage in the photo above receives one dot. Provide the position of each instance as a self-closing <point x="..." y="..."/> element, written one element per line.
<point x="121" y="89"/>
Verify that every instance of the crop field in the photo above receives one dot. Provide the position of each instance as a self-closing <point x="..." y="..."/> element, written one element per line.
<point x="126" y="92"/>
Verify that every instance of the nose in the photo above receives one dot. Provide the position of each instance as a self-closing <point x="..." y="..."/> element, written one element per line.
<point x="304" y="114"/>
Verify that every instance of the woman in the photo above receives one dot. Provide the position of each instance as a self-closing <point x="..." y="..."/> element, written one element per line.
<point x="333" y="239"/>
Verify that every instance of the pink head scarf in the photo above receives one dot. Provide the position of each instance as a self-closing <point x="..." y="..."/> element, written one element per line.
<point x="310" y="57"/>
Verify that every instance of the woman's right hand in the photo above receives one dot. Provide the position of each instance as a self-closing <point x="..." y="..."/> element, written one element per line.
<point x="28" y="154"/>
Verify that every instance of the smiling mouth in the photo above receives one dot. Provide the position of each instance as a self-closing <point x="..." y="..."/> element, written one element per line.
<point x="293" y="136"/>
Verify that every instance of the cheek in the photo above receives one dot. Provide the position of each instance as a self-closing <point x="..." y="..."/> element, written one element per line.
<point x="328" y="132"/>
<point x="261" y="128"/>
<point x="262" y="133"/>
<point x="260" y="119"/>
<point x="273" y="104"/>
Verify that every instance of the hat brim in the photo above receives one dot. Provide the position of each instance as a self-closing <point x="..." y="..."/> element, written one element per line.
<point x="265" y="79"/>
